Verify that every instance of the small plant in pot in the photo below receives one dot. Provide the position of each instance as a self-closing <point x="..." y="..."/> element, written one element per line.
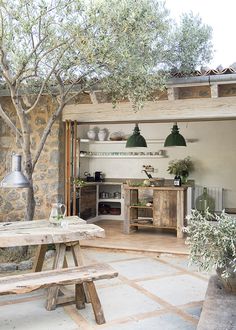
<point x="79" y="182"/>
<point x="212" y="241"/>
<point x="181" y="167"/>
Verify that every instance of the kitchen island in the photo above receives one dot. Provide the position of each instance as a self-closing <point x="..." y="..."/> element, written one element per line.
<point x="165" y="209"/>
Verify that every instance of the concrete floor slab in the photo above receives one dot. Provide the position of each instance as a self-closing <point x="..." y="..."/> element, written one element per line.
<point x="183" y="263"/>
<point x="33" y="316"/>
<point x="122" y="301"/>
<point x="162" y="322"/>
<point x="177" y="290"/>
<point x="106" y="256"/>
<point x="150" y="293"/>
<point x="194" y="311"/>
<point x="140" y="268"/>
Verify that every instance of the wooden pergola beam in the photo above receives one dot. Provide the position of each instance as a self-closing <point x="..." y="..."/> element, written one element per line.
<point x="219" y="108"/>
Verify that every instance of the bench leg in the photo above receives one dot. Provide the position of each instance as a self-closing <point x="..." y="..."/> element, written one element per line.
<point x="79" y="296"/>
<point x="96" y="304"/>
<point x="53" y="291"/>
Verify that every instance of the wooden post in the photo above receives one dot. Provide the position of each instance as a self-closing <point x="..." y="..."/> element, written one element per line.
<point x="67" y="166"/>
<point x="180" y="212"/>
<point x="74" y="164"/>
<point x="79" y="296"/>
<point x="126" y="227"/>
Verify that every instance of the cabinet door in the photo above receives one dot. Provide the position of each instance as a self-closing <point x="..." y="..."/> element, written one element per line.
<point x="88" y="201"/>
<point x="165" y="208"/>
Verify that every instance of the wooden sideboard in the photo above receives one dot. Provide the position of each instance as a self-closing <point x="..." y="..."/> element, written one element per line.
<point x="167" y="211"/>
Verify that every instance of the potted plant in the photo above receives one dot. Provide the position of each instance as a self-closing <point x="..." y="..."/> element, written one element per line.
<point x="79" y="182"/>
<point x="181" y="167"/>
<point x="212" y="241"/>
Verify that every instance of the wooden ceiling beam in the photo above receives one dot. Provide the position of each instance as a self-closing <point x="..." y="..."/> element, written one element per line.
<point x="221" y="108"/>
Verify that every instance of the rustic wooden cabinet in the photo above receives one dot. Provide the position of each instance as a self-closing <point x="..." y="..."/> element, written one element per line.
<point x="167" y="211"/>
<point x="87" y="202"/>
<point x="100" y="200"/>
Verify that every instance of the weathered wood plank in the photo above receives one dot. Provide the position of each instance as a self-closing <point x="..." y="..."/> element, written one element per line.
<point x="96" y="304"/>
<point x="160" y="111"/>
<point x="48" y="234"/>
<point x="165" y="208"/>
<point x="79" y="296"/>
<point x="5" y="226"/>
<point x="24" y="283"/>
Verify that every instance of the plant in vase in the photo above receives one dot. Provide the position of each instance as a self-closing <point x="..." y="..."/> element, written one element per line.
<point x="181" y="167"/>
<point x="213" y="244"/>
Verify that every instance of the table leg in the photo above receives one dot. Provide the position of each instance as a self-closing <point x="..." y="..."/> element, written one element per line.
<point x="58" y="263"/>
<point x="65" y="263"/>
<point x="39" y="258"/>
<point x="79" y="261"/>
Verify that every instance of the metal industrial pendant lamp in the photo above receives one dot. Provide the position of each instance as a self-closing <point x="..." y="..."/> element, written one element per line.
<point x="175" y="138"/>
<point x="136" y="140"/>
<point x="15" y="179"/>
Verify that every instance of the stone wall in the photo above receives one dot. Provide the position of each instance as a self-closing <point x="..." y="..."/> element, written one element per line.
<point x="49" y="172"/>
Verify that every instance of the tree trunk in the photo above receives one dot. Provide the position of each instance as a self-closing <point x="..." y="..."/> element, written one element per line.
<point x="30" y="208"/>
<point x="30" y="200"/>
<point x="30" y="204"/>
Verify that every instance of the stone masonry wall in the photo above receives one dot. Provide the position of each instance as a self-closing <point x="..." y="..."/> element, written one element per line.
<point x="49" y="172"/>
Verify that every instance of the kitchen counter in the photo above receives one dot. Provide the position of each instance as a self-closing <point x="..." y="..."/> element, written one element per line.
<point x="166" y="211"/>
<point x="167" y="182"/>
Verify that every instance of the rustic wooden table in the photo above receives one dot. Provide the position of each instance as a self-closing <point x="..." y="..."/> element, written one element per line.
<point x="42" y="233"/>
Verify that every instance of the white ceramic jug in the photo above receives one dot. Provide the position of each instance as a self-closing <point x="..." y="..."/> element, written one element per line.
<point x="102" y="135"/>
<point x="57" y="214"/>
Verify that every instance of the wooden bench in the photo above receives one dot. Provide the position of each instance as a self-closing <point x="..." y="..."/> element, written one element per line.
<point x="84" y="275"/>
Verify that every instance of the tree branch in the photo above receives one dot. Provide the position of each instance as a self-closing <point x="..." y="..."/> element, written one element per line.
<point x="9" y="122"/>
<point x="24" y="64"/>
<point x="44" y="84"/>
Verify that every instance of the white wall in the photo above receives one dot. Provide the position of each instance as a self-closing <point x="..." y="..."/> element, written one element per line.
<point x="214" y="154"/>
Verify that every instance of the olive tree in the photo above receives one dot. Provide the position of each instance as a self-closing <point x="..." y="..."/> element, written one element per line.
<point x="63" y="48"/>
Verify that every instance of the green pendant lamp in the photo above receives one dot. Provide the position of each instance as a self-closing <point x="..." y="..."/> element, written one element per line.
<point x="136" y="140"/>
<point x="175" y="139"/>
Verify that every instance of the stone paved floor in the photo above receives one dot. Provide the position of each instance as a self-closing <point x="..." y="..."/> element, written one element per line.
<point x="151" y="293"/>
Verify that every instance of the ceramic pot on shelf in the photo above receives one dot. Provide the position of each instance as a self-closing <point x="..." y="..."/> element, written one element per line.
<point x="91" y="134"/>
<point x="102" y="135"/>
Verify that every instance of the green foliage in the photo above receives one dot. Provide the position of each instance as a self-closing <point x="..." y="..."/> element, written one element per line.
<point x="180" y="166"/>
<point x="192" y="44"/>
<point x="79" y="182"/>
<point x="212" y="243"/>
<point x="129" y="50"/>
